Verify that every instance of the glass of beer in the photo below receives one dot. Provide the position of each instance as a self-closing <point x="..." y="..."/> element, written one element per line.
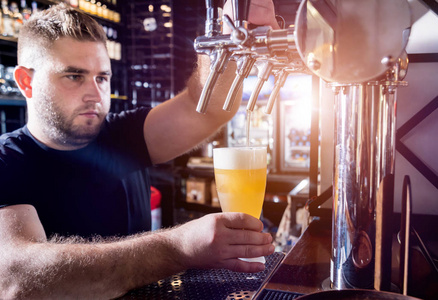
<point x="240" y="175"/>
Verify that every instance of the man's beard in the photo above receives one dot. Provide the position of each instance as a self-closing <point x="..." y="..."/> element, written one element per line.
<point x="60" y="128"/>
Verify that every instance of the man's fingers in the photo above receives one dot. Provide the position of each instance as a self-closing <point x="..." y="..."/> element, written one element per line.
<point x="248" y="237"/>
<point x="253" y="251"/>
<point x="246" y="251"/>
<point x="238" y="265"/>
<point x="241" y="221"/>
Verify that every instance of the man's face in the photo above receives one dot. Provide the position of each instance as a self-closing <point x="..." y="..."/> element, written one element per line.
<point x="71" y="93"/>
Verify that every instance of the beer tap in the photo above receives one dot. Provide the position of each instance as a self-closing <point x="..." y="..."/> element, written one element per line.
<point x="264" y="47"/>
<point x="264" y="70"/>
<point x="281" y="77"/>
<point x="218" y="55"/>
<point x="218" y="45"/>
<point x="220" y="58"/>
<point x="244" y="66"/>
<point x="287" y="62"/>
<point x="240" y="36"/>
<point x="240" y="12"/>
<point x="276" y="50"/>
<point x="213" y="22"/>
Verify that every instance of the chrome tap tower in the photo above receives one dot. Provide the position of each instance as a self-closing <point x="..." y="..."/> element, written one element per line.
<point x="358" y="48"/>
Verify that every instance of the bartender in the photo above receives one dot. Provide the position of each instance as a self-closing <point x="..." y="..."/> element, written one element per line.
<point x="74" y="209"/>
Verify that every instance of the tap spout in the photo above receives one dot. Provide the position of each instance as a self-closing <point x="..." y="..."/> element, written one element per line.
<point x="220" y="62"/>
<point x="265" y="68"/>
<point x="281" y="77"/>
<point x="244" y="66"/>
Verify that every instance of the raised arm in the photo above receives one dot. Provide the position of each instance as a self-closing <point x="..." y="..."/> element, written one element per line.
<point x="33" y="267"/>
<point x="174" y="127"/>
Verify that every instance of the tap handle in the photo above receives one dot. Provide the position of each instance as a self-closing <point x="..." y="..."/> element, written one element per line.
<point x="214" y="3"/>
<point x="240" y="12"/>
<point x="279" y="83"/>
<point x="217" y="68"/>
<point x="244" y="66"/>
<point x="263" y="75"/>
<point x="213" y="22"/>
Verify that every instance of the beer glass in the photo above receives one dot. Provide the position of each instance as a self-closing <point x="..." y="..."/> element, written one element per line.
<point x="240" y="175"/>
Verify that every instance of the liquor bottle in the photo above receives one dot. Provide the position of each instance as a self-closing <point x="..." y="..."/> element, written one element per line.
<point x="104" y="11"/>
<point x="8" y="20"/>
<point x="99" y="9"/>
<point x="1" y="21"/>
<point x="117" y="51"/>
<point x="74" y="3"/>
<point x="17" y="19"/>
<point x="93" y="7"/>
<point x="25" y="11"/>
<point x="34" y="6"/>
<point x="84" y="5"/>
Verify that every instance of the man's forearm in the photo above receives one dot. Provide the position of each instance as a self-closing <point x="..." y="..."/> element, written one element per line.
<point x="88" y="270"/>
<point x="184" y="128"/>
<point x="220" y="89"/>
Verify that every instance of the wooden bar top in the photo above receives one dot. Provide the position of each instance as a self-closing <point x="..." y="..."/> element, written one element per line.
<point x="306" y="267"/>
<point x="307" y="264"/>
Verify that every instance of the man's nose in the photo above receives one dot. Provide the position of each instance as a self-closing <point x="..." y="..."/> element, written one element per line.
<point x="93" y="91"/>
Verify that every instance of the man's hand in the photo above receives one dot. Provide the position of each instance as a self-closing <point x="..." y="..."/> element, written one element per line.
<point x="217" y="240"/>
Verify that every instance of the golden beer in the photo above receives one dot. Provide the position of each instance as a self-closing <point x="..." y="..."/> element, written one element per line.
<point x="241" y="190"/>
<point x="240" y="175"/>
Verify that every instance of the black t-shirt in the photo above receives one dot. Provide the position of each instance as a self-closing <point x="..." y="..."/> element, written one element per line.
<point x="102" y="189"/>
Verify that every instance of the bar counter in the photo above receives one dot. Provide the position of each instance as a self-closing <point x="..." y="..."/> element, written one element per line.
<point x="304" y="270"/>
<point x="301" y="272"/>
<point x="220" y="284"/>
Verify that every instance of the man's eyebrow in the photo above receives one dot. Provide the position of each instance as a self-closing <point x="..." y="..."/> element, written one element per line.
<point x="108" y="73"/>
<point x="70" y="69"/>
<point x="77" y="70"/>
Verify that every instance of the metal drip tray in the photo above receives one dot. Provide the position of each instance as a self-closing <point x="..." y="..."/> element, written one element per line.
<point x="207" y="284"/>
<point x="277" y="295"/>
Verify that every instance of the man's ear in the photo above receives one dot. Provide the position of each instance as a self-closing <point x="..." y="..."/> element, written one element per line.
<point x="23" y="78"/>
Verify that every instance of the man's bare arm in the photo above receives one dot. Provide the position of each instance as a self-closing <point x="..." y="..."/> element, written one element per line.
<point x="33" y="267"/>
<point x="174" y="127"/>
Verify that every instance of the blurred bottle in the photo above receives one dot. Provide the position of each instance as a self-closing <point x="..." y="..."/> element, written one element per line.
<point x="25" y="11"/>
<point x="93" y="7"/>
<point x="1" y="21"/>
<point x="17" y="18"/>
<point x="12" y="88"/>
<point x="99" y="9"/>
<point x="104" y="11"/>
<point x="34" y="6"/>
<point x="85" y="5"/>
<point x="8" y="20"/>
<point x="74" y="3"/>
<point x="3" y="83"/>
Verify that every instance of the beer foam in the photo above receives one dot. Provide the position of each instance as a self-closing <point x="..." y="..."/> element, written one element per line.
<point x="239" y="158"/>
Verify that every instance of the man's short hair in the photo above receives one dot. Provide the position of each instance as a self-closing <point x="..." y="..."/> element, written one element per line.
<point x="47" y="26"/>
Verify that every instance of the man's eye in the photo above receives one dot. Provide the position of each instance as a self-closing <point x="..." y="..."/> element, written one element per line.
<point x="74" y="77"/>
<point x="102" y="79"/>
